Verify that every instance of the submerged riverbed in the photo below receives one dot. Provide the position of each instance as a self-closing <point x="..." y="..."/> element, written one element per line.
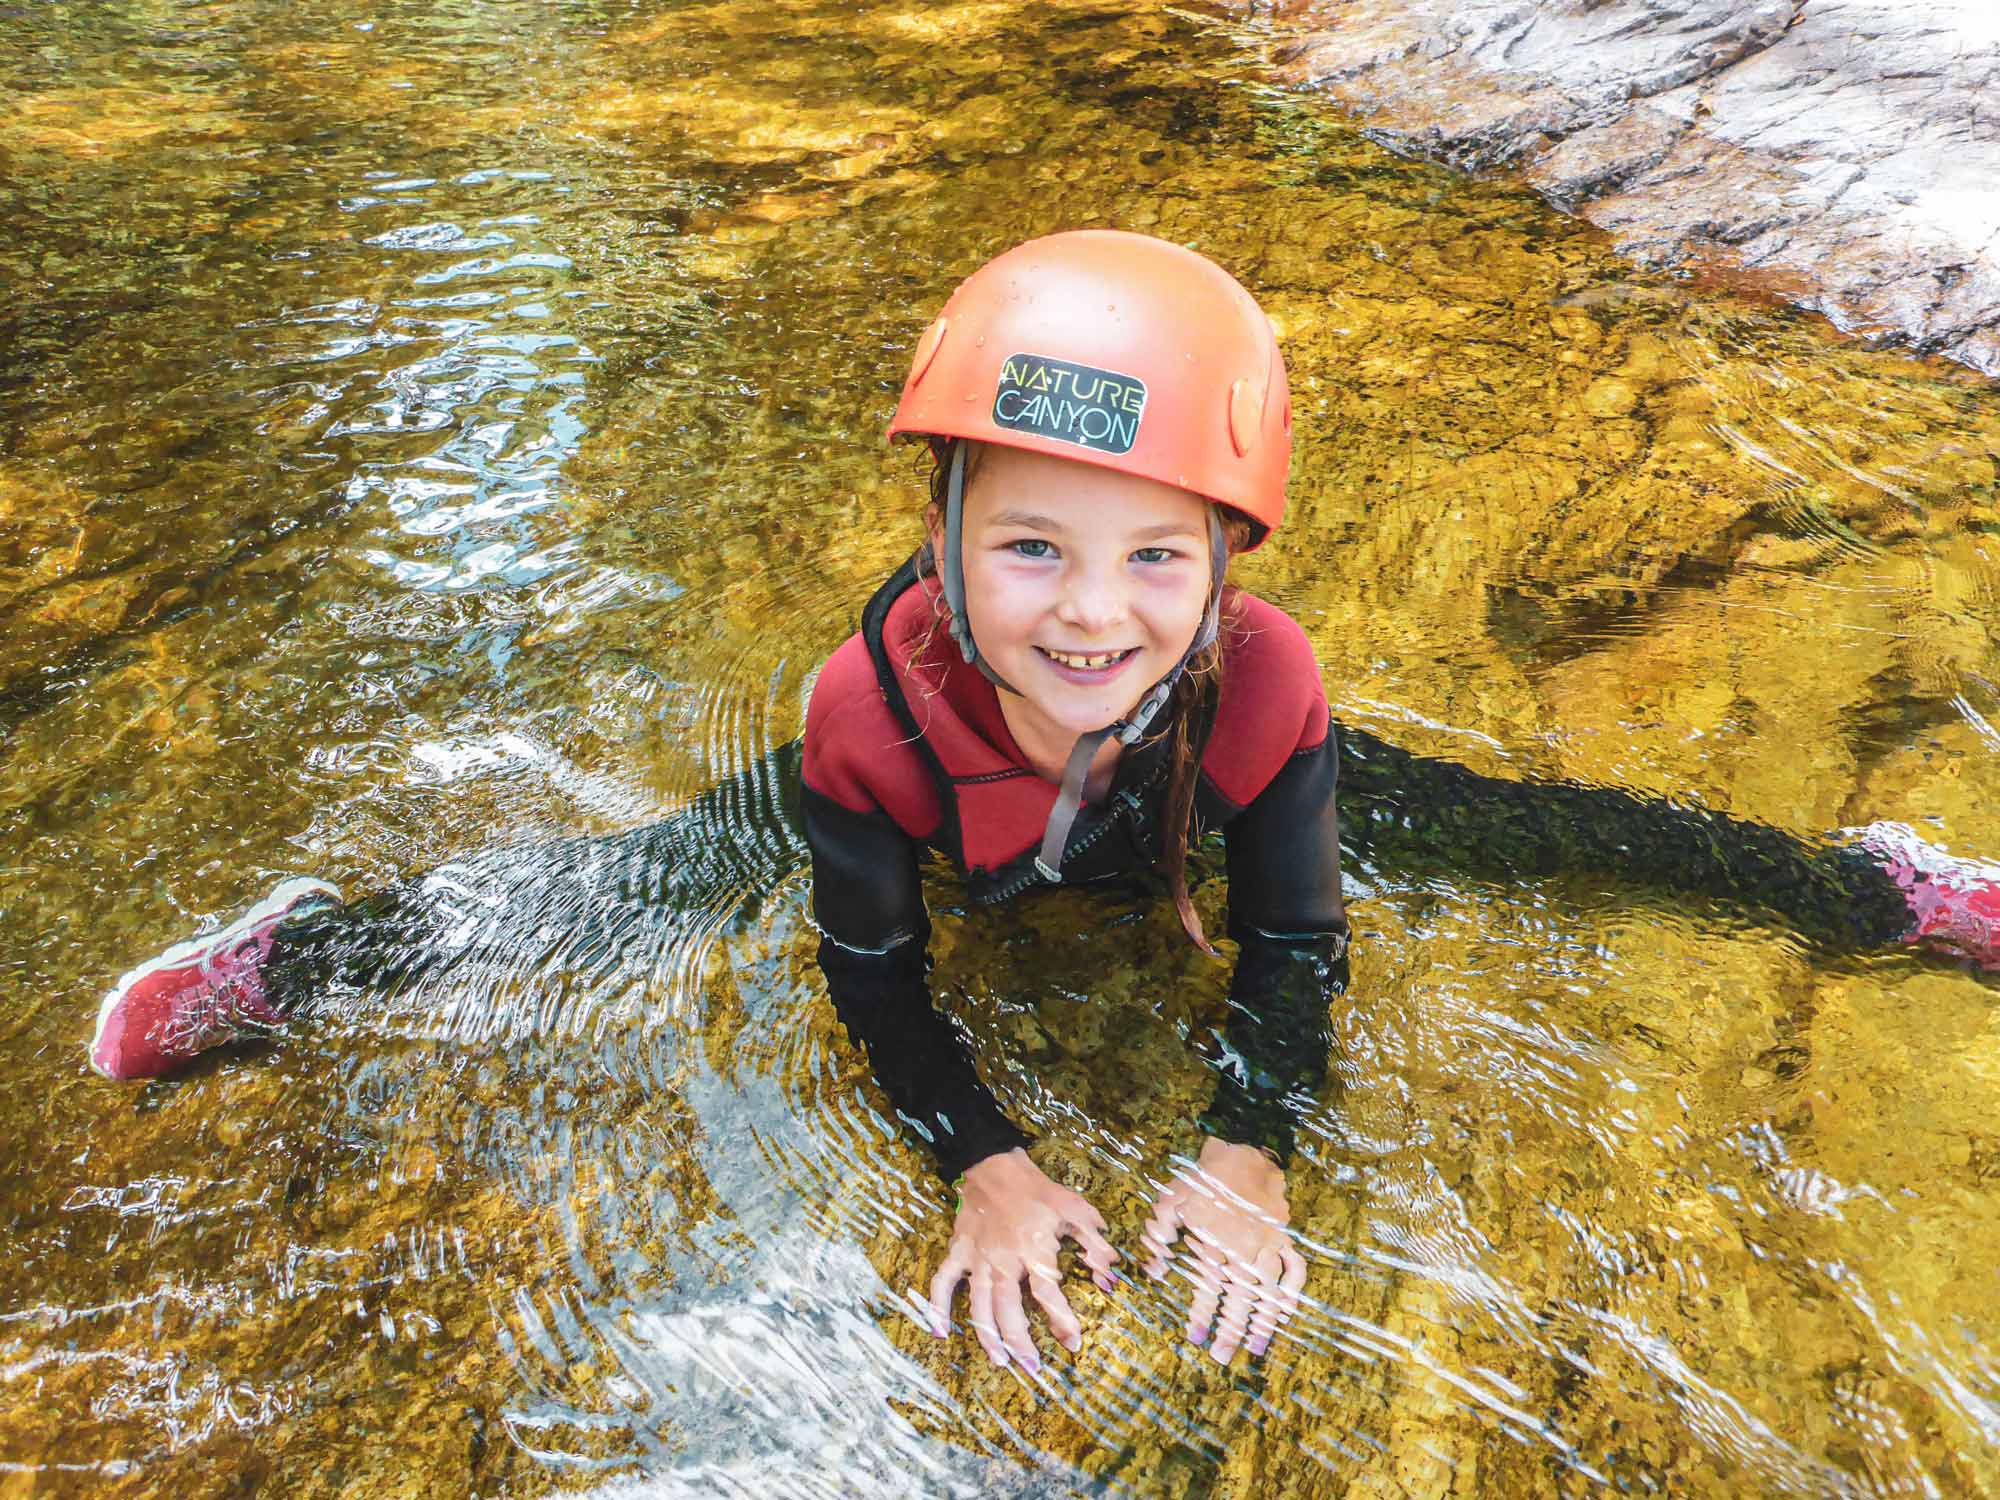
<point x="427" y="432"/>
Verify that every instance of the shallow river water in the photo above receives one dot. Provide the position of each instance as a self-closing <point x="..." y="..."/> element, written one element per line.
<point x="431" y="432"/>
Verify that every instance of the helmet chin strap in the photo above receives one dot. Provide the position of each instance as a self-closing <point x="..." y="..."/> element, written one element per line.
<point x="1076" y="770"/>
<point x="951" y="569"/>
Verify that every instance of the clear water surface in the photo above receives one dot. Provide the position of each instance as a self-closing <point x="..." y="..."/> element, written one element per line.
<point x="428" y="430"/>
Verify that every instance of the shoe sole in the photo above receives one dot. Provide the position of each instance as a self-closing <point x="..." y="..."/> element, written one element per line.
<point x="284" y="895"/>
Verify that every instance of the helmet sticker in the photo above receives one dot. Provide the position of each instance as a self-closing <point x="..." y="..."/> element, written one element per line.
<point x="1070" y="403"/>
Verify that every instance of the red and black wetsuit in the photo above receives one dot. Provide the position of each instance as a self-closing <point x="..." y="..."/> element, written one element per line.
<point x="897" y="759"/>
<point x="906" y="747"/>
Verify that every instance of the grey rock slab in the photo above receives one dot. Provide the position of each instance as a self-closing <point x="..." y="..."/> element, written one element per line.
<point x="1843" y="153"/>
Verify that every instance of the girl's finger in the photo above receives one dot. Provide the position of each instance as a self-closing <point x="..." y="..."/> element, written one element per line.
<point x="1085" y="1215"/>
<point x="1271" y="1310"/>
<point x="1098" y="1253"/>
<point x="1206" y="1274"/>
<point x="1063" y="1322"/>
<point x="1293" y="1281"/>
<point x="1161" y="1230"/>
<point x="1239" y="1297"/>
<point x="1012" y="1320"/>
<point x="944" y="1286"/>
<point x="981" y="1288"/>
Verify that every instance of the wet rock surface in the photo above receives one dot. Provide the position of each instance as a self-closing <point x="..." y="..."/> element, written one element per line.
<point x="1842" y="153"/>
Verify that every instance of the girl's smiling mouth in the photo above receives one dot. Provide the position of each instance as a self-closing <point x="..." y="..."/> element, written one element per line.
<point x="1093" y="666"/>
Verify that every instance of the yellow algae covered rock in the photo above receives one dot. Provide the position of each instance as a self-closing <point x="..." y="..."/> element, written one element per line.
<point x="45" y="532"/>
<point x="949" y="24"/>
<point x="745" y="124"/>
<point x="356" y="79"/>
<point x="359" y="1275"/>
<point x="1934" y="784"/>
<point x="111" y="121"/>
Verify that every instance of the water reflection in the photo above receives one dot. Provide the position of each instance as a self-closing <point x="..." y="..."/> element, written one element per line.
<point x="427" y="441"/>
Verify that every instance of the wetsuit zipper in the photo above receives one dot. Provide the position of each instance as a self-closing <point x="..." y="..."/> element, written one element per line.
<point x="1128" y="800"/>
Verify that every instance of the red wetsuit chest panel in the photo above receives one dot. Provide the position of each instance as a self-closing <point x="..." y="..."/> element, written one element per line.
<point x="860" y="753"/>
<point x="1273" y="701"/>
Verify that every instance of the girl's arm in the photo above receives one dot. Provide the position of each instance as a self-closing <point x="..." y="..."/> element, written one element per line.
<point x="868" y="901"/>
<point x="1286" y="916"/>
<point x="1011" y="1221"/>
<point x="1290" y="927"/>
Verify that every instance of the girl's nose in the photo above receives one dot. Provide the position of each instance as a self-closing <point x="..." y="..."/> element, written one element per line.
<point x="1092" y="604"/>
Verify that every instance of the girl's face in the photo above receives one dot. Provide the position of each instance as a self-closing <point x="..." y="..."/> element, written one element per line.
<point x="1085" y="586"/>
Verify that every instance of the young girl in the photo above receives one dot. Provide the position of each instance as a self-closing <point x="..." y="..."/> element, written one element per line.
<point x="1060" y="687"/>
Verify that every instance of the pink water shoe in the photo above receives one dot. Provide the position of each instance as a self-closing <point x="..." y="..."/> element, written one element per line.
<point x="1955" y="902"/>
<point x="198" y="993"/>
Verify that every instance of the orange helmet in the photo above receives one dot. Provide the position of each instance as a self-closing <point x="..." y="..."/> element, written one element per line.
<point x="1114" y="349"/>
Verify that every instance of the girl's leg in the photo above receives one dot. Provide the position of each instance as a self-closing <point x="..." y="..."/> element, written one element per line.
<point x="599" y="895"/>
<point x="1400" y="807"/>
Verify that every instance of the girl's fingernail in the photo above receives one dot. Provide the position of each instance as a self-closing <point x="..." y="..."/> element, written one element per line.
<point x="1105" y="1283"/>
<point x="1257" y="1348"/>
<point x="1196" y="1333"/>
<point x="1074" y="1345"/>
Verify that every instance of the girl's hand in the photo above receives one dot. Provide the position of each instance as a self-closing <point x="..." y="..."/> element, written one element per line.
<point x="1232" y="1204"/>
<point x="1011" y="1224"/>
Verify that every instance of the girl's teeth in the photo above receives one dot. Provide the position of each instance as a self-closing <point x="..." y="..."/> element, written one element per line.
<point x="1086" y="663"/>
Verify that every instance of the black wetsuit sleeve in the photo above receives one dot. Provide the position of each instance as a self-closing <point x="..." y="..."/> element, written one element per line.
<point x="1290" y="928"/>
<point x="868" y="901"/>
<point x="1407" y="810"/>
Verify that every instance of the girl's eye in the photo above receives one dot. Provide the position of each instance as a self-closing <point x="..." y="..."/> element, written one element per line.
<point x="1153" y="555"/>
<point x="1032" y="546"/>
